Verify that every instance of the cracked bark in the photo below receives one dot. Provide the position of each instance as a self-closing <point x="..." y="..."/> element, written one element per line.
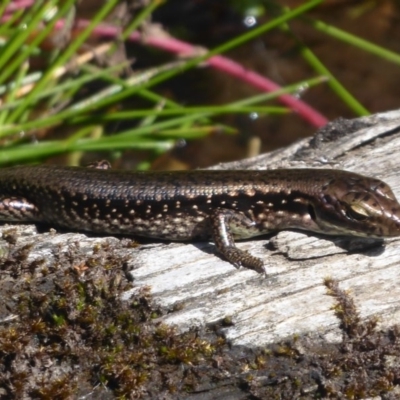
<point x="292" y="298"/>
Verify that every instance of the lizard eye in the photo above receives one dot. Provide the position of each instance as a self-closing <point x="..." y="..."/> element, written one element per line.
<point x="357" y="212"/>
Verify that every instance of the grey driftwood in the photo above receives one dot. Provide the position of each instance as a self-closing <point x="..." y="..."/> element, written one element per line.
<point x="291" y="299"/>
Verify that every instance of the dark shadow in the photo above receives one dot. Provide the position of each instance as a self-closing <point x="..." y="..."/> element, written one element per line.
<point x="372" y="247"/>
<point x="352" y="245"/>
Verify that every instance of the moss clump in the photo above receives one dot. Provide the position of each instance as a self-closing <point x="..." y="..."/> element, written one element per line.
<point x="74" y="331"/>
<point x="65" y="333"/>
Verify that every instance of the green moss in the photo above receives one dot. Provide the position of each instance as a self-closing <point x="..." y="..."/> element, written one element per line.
<point x="73" y="320"/>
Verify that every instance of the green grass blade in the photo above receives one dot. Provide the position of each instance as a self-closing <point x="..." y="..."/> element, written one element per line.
<point x="63" y="58"/>
<point x="334" y="83"/>
<point x="193" y="62"/>
<point x="20" y="36"/>
<point x="29" y="49"/>
<point x="356" y="41"/>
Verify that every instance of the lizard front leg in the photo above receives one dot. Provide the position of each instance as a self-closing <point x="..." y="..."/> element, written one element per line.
<point x="224" y="222"/>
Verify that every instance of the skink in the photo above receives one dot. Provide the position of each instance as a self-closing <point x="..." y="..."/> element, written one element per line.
<point x="199" y="205"/>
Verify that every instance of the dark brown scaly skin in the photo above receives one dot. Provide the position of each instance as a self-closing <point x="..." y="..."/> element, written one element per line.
<point x="182" y="205"/>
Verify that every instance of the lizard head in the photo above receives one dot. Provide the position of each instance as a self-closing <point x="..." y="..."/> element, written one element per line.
<point x="359" y="206"/>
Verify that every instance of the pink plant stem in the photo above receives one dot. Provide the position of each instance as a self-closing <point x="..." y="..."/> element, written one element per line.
<point x="181" y="48"/>
<point x="17" y="5"/>
<point x="221" y="63"/>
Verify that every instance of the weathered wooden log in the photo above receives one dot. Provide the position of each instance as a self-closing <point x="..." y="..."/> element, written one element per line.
<point x="195" y="287"/>
<point x="292" y="298"/>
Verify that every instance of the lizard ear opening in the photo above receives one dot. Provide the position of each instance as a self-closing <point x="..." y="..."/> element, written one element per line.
<point x="311" y="211"/>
